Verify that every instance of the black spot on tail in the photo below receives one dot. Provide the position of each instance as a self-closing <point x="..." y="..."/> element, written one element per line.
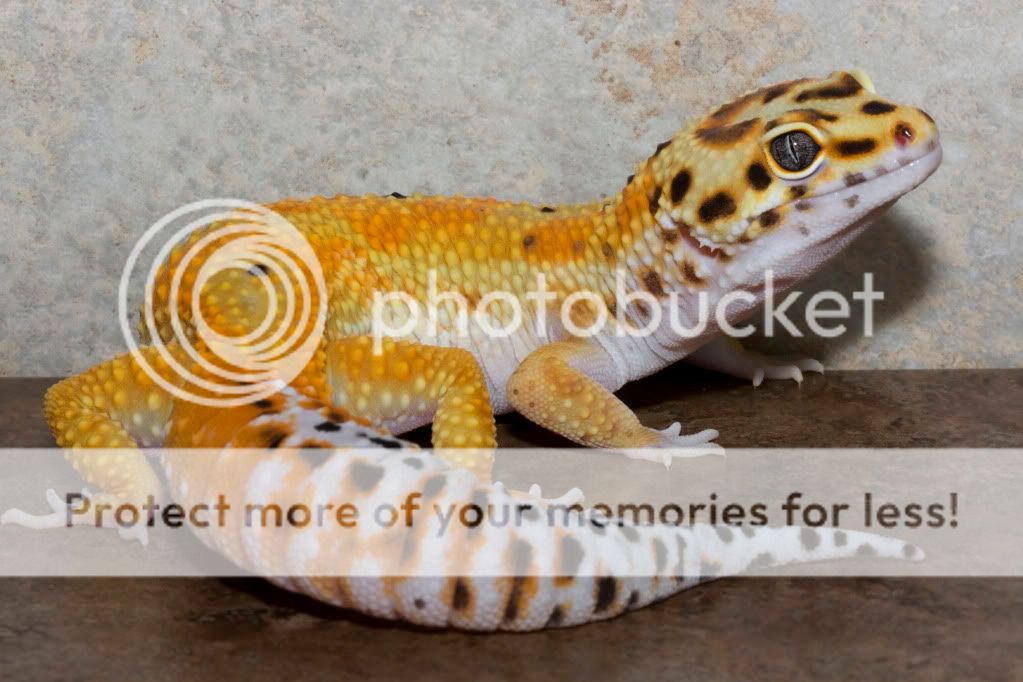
<point x="748" y="531"/>
<point x="547" y="209"/>
<point x="630" y="533"/>
<point x="866" y="550"/>
<point x="328" y="426"/>
<point x="398" y="195"/>
<point x="433" y="485"/>
<point x="413" y="462"/>
<point x="809" y="538"/>
<point x="557" y="615"/>
<point x="365" y="476"/>
<point x="724" y="532"/>
<point x="389" y="443"/>
<point x="607" y="590"/>
<point x="841" y="538"/>
<point x="460" y="595"/>
<point x="762" y="560"/>
<point x="660" y="556"/>
<point x="570" y="557"/>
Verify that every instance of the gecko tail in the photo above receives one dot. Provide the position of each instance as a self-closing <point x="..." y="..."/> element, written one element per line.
<point x="726" y="550"/>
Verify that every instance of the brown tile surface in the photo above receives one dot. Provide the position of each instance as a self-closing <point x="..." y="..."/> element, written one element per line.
<point x="750" y="629"/>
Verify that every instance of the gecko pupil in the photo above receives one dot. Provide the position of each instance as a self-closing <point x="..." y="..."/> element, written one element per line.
<point x="794" y="151"/>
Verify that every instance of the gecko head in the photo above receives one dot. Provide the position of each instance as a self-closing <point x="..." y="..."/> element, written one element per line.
<point x="785" y="176"/>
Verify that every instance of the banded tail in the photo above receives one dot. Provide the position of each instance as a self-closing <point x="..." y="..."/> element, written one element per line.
<point x="524" y="575"/>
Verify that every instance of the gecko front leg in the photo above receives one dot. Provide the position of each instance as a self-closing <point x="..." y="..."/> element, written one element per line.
<point x="726" y="355"/>
<point x="567" y="387"/>
<point x="102" y="417"/>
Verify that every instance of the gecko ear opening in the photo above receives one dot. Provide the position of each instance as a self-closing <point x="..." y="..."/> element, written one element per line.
<point x="864" y="80"/>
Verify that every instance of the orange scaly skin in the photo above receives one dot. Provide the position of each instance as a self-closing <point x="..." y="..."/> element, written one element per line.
<point x="708" y="212"/>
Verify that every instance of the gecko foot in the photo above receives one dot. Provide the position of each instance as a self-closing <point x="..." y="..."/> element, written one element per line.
<point x="570" y="498"/>
<point x="767" y="367"/>
<point x="672" y="444"/>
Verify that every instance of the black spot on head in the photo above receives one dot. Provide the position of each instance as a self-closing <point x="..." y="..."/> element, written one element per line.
<point x="547" y="209"/>
<point x="855" y="147"/>
<point x="758" y="176"/>
<point x="389" y="443"/>
<point x="876" y="108"/>
<point x="809" y="538"/>
<point x="413" y="462"/>
<point x="775" y="91"/>
<point x="803" y="205"/>
<point x="398" y="195"/>
<point x="679" y="186"/>
<point x="327" y="426"/>
<point x="719" y="206"/>
<point x="852" y="200"/>
<point x="866" y="550"/>
<point x="607" y="590"/>
<point x="854" y="179"/>
<point x="660" y="148"/>
<point x="725" y="533"/>
<point x="529" y="240"/>
<point x="762" y="560"/>
<point x="654" y="200"/>
<point x="365" y="476"/>
<point x="841" y="538"/>
<point x="419" y="604"/>
<point x="570" y="557"/>
<point x="628" y="180"/>
<point x="797" y="191"/>
<point x="652" y="282"/>
<point x="460" y="595"/>
<point x="846" y="87"/>
<point x="769" y="219"/>
<point x="725" y="134"/>
<point x="633" y="599"/>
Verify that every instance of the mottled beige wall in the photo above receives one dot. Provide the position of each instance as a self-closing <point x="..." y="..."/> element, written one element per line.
<point x="112" y="114"/>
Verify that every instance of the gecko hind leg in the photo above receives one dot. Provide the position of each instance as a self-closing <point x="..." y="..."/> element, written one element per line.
<point x="727" y="356"/>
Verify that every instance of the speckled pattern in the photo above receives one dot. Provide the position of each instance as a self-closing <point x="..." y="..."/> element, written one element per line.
<point x="737" y="629"/>
<point x="115" y="114"/>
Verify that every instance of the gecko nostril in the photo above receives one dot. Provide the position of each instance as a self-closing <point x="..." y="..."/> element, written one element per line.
<point x="903" y="134"/>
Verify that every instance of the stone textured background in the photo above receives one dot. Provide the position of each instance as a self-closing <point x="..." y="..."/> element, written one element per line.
<point x="113" y="114"/>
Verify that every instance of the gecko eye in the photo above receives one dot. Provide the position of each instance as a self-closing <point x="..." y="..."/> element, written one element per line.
<point x="794" y="151"/>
